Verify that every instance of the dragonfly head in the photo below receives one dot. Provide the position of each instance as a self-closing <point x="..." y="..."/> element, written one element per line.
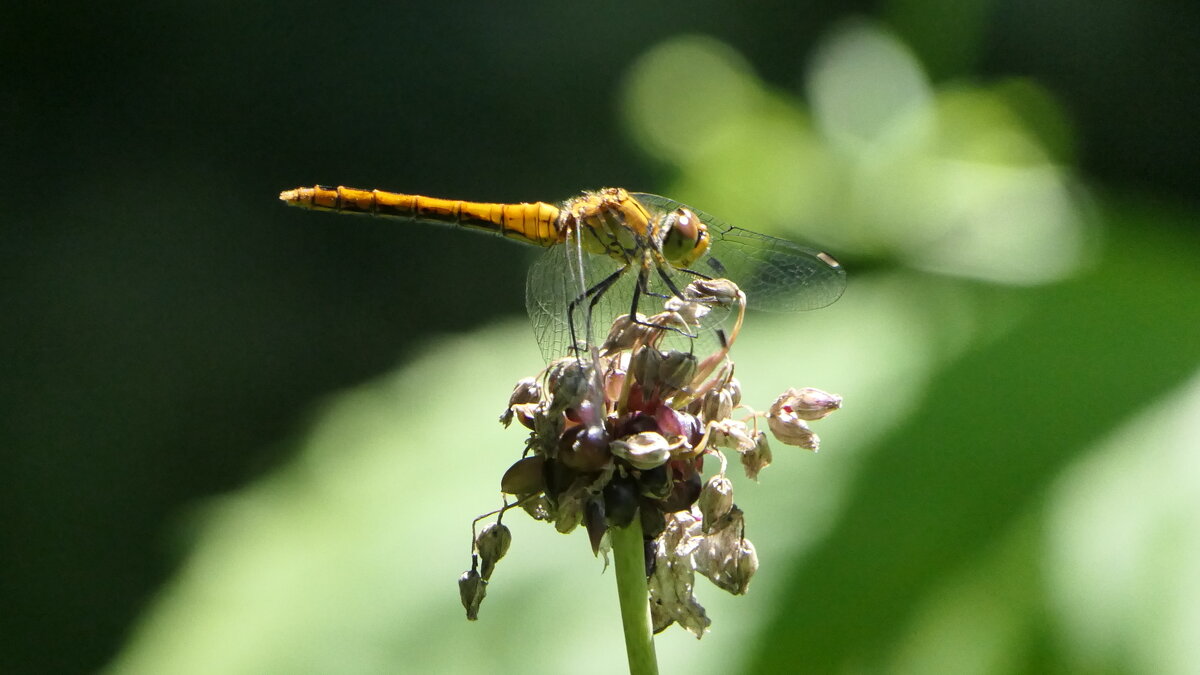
<point x="684" y="237"/>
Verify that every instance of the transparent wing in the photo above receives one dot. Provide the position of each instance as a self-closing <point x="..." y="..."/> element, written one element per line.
<point x="548" y="291"/>
<point x="561" y="276"/>
<point x="775" y="274"/>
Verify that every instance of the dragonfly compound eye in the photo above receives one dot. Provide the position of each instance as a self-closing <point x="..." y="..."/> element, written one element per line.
<point x="684" y="237"/>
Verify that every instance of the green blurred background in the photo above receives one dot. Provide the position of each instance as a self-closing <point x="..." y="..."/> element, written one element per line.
<point x="240" y="438"/>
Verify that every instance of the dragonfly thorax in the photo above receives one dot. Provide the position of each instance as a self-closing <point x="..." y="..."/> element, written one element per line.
<point x="611" y="222"/>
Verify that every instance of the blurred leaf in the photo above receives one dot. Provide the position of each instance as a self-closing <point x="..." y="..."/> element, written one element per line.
<point x="953" y="179"/>
<point x="995" y="429"/>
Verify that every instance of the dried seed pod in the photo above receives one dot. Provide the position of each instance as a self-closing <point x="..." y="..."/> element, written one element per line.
<point x="525" y="393"/>
<point x="525" y="477"/>
<point x="625" y="333"/>
<point x="677" y="370"/>
<point x="719" y="292"/>
<point x="731" y="434"/>
<point x="688" y="311"/>
<point x="726" y="557"/>
<point x="492" y="543"/>
<point x="568" y="381"/>
<point x="757" y="458"/>
<point x="526" y="413"/>
<point x="734" y="387"/>
<point x="716" y="499"/>
<point x="471" y="590"/>
<point x="587" y="449"/>
<point x="806" y="403"/>
<point x="644" y="366"/>
<point x="717" y="405"/>
<point x="671" y="319"/>
<point x="791" y="430"/>
<point x="729" y="569"/>
<point x="671" y="597"/>
<point x="643" y="451"/>
<point x="614" y="382"/>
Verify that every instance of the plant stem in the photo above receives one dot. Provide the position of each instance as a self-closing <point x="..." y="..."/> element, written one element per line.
<point x="629" y="556"/>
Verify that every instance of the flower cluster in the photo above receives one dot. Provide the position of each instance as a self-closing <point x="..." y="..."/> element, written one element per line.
<point x="624" y="432"/>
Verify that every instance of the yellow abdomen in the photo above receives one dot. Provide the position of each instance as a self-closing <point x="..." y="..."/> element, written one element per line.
<point x="536" y="223"/>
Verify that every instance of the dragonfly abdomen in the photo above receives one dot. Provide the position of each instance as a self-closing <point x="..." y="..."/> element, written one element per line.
<point x="535" y="223"/>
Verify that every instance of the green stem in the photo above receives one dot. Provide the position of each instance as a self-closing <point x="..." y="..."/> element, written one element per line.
<point x="635" y="600"/>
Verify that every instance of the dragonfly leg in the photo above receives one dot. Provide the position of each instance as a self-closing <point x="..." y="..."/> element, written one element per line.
<point x="640" y="289"/>
<point x="699" y="275"/>
<point x="595" y="292"/>
<point x="669" y="282"/>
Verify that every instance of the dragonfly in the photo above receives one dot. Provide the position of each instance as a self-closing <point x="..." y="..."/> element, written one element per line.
<point x="613" y="253"/>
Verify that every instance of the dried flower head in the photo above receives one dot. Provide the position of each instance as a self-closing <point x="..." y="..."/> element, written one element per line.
<point x="625" y="433"/>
